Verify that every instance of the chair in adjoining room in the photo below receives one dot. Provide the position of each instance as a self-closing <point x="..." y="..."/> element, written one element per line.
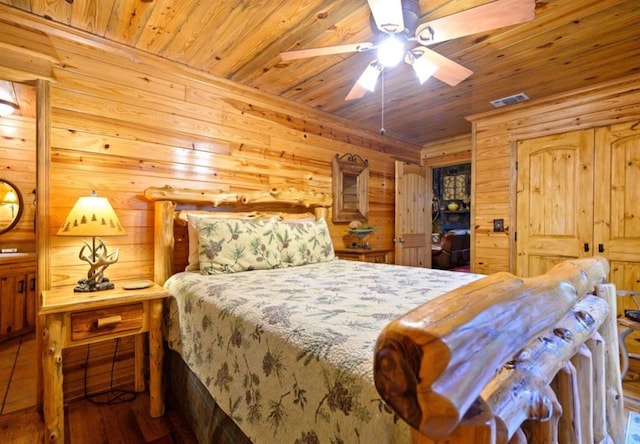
<point x="627" y="323"/>
<point x="453" y="250"/>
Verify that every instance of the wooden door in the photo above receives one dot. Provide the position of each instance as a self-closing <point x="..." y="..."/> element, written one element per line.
<point x="617" y="203"/>
<point x="554" y="200"/>
<point x="413" y="215"/>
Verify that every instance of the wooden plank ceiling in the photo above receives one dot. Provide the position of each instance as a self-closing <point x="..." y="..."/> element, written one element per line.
<point x="569" y="45"/>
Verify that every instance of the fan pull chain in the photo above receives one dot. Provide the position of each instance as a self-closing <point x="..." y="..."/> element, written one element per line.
<point x="382" y="130"/>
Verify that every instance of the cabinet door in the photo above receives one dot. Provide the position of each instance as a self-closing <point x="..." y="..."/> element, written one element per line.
<point x="8" y="286"/>
<point x="20" y="304"/>
<point x="554" y="200"/>
<point x="31" y="300"/>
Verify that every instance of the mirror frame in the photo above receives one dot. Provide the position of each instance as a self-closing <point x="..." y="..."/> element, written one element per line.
<point x="350" y="166"/>
<point x="16" y="219"/>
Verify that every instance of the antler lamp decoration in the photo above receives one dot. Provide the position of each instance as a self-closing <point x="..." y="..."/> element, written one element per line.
<point x="93" y="216"/>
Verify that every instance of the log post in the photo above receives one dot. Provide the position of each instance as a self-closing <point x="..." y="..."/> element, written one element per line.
<point x="614" y="395"/>
<point x="583" y="363"/>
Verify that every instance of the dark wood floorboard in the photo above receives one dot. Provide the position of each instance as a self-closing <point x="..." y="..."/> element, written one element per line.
<point x="88" y="423"/>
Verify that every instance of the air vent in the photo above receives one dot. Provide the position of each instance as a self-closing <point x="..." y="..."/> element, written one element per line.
<point x="516" y="98"/>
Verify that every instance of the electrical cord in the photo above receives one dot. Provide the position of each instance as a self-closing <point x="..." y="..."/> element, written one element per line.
<point x="119" y="396"/>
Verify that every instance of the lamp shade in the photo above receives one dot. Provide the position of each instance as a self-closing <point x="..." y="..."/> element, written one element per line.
<point x="92" y="216"/>
<point x="10" y="198"/>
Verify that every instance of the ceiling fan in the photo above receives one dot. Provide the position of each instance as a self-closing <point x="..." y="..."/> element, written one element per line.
<point x="395" y="23"/>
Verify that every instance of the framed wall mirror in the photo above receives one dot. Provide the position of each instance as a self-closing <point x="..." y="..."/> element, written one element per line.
<point x="350" y="174"/>
<point x="11" y="205"/>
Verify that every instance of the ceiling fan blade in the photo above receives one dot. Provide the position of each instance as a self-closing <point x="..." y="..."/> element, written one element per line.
<point x="326" y="50"/>
<point x="497" y="14"/>
<point x="448" y="71"/>
<point x="387" y="15"/>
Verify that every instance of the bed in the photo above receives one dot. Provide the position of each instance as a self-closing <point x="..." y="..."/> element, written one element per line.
<point x="276" y="340"/>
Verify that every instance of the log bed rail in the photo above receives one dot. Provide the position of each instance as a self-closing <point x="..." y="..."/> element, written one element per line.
<point x="518" y="360"/>
<point x="501" y="360"/>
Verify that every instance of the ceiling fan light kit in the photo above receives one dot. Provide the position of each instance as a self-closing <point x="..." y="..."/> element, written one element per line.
<point x="369" y="77"/>
<point x="7" y="108"/>
<point x="423" y="68"/>
<point x="395" y="23"/>
<point x="390" y="51"/>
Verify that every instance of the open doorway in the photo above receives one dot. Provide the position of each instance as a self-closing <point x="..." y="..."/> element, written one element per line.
<point x="451" y="217"/>
<point x="18" y="370"/>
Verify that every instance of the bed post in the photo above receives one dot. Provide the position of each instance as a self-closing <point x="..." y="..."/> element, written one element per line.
<point x="320" y="213"/>
<point x="614" y="397"/>
<point x="163" y="246"/>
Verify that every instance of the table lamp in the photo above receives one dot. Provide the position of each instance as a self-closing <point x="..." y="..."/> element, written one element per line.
<point x="93" y="216"/>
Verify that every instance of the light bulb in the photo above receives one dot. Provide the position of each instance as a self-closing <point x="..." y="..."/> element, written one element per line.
<point x="390" y="51"/>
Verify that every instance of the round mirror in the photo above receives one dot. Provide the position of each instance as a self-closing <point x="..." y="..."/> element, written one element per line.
<point x="10" y="205"/>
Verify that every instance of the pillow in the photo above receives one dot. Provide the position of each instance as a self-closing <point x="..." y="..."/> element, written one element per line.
<point x="304" y="242"/>
<point x="231" y="246"/>
<point x="193" y="261"/>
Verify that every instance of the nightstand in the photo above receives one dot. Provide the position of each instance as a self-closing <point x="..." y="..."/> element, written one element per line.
<point x="71" y="319"/>
<point x="377" y="255"/>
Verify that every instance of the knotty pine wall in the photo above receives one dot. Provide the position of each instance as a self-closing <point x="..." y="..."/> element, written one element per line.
<point x="494" y="136"/>
<point x="122" y="121"/>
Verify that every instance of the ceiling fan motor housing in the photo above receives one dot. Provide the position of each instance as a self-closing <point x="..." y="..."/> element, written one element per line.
<point x="410" y="16"/>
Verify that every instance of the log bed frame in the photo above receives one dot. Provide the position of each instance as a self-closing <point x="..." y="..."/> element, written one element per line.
<point x="516" y="360"/>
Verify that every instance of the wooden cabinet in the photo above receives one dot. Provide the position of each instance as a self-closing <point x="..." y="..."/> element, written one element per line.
<point x="376" y="255"/>
<point x="17" y="294"/>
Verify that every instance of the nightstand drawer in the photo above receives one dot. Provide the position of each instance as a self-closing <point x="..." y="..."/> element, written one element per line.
<point x="106" y="321"/>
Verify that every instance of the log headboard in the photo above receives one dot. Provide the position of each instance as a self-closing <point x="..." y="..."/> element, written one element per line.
<point x="169" y="200"/>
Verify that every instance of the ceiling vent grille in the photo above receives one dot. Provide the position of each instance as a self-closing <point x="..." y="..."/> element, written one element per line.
<point x="516" y="98"/>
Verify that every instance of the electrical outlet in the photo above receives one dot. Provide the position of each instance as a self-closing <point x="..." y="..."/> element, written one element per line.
<point x="498" y="225"/>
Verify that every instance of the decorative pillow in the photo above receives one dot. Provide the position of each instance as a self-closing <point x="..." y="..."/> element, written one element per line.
<point x="304" y="242"/>
<point x="230" y="246"/>
<point x="193" y="262"/>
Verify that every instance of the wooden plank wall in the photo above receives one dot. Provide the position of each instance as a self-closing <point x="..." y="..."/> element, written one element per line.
<point x="18" y="165"/>
<point x="494" y="136"/>
<point x="122" y="121"/>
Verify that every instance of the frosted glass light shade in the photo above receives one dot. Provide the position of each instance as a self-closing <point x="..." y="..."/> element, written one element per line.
<point x="424" y="69"/>
<point x="92" y="216"/>
<point x="7" y="108"/>
<point x="369" y="77"/>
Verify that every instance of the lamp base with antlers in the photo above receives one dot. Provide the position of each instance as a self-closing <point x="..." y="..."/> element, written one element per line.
<point x="99" y="259"/>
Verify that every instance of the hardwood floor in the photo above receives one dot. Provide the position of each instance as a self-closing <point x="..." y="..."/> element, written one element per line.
<point x="17" y="374"/>
<point x="124" y="423"/>
<point x="85" y="422"/>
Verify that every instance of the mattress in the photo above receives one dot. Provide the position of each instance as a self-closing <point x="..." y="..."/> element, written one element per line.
<point x="288" y="353"/>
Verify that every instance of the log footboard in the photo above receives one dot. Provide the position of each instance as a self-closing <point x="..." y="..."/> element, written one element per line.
<point x="508" y="359"/>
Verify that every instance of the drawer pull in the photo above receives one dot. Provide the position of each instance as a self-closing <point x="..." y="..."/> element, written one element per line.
<point x="108" y="321"/>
